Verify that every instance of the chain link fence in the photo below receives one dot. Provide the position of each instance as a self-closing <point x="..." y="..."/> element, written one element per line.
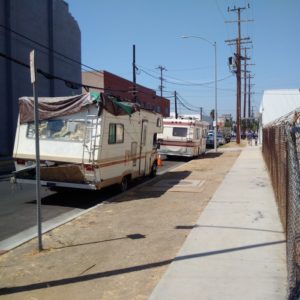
<point x="281" y="152"/>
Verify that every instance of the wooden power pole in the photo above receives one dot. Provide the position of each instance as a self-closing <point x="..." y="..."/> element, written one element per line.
<point x="238" y="41"/>
<point x="161" y="79"/>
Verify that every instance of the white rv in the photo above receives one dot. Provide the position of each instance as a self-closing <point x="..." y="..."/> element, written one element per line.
<point x="87" y="141"/>
<point x="183" y="137"/>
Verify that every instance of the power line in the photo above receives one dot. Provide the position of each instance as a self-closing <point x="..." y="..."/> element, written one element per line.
<point x="187" y="103"/>
<point x="69" y="83"/>
<point x="183" y="82"/>
<point x="198" y="84"/>
<point x="175" y="70"/>
<point x="46" y="47"/>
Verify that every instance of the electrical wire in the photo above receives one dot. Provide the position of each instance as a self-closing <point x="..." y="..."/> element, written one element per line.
<point x="185" y="83"/>
<point x="187" y="103"/>
<point x="46" y="47"/>
<point x="69" y="83"/>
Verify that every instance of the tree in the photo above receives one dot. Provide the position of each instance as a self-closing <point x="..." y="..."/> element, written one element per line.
<point x="228" y="123"/>
<point x="249" y="124"/>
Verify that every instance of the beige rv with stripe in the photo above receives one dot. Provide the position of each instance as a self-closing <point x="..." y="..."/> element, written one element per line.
<point x="103" y="141"/>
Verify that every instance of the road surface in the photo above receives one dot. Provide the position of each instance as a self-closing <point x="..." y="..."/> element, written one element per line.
<point x="18" y="204"/>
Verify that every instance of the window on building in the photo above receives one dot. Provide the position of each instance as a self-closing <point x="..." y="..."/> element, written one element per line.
<point x="116" y="133"/>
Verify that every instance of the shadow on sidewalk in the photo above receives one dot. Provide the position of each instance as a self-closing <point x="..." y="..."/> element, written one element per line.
<point x="82" y="199"/>
<point x="189" y="227"/>
<point x="134" y="236"/>
<point x="156" y="188"/>
<point x="82" y="278"/>
<point x="211" y="155"/>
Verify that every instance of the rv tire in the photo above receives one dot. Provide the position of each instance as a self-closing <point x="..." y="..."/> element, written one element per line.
<point x="153" y="170"/>
<point x="124" y="184"/>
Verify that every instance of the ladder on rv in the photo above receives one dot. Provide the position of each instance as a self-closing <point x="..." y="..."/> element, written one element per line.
<point x="91" y="144"/>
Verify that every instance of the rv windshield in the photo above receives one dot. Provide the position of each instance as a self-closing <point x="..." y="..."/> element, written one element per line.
<point x="66" y="130"/>
<point x="180" y="131"/>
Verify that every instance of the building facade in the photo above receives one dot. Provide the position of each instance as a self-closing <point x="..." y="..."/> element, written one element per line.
<point x="109" y="83"/>
<point x="48" y="27"/>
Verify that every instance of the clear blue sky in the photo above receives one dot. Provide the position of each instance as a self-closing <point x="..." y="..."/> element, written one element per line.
<point x="109" y="28"/>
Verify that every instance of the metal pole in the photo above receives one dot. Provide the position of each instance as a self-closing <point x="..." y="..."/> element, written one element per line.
<point x="37" y="150"/>
<point x="245" y="82"/>
<point x="134" y="74"/>
<point x="238" y="117"/>
<point x="216" y="100"/>
<point x="175" y="98"/>
<point x="38" y="176"/>
<point x="216" y="79"/>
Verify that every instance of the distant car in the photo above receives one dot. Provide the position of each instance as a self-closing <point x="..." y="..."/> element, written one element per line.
<point x="221" y="139"/>
<point x="210" y="140"/>
<point x="228" y="138"/>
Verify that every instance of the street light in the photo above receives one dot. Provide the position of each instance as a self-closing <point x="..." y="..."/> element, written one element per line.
<point x="214" y="44"/>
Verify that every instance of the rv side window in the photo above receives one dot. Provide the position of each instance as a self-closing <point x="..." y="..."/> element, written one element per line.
<point x="60" y="130"/>
<point x="179" y="131"/>
<point x="154" y="140"/>
<point x="158" y="122"/>
<point x="116" y="134"/>
<point x="198" y="133"/>
<point x="144" y="132"/>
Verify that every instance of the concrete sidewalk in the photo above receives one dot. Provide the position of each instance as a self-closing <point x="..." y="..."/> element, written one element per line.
<point x="237" y="248"/>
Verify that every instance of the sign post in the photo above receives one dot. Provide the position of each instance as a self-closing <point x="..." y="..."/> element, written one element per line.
<point x="37" y="149"/>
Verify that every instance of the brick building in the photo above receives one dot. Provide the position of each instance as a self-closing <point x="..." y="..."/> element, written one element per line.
<point x="123" y="88"/>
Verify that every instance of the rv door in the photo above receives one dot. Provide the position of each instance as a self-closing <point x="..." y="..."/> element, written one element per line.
<point x="143" y="152"/>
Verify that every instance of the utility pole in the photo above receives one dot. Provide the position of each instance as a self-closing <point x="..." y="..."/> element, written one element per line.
<point x="249" y="94"/>
<point x="175" y="98"/>
<point x="245" y="80"/>
<point x="246" y="76"/>
<point x="161" y="79"/>
<point x="134" y="73"/>
<point x="238" y="41"/>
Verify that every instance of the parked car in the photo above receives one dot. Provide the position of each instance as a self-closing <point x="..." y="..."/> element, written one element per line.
<point x="221" y="139"/>
<point x="210" y="140"/>
<point x="228" y="138"/>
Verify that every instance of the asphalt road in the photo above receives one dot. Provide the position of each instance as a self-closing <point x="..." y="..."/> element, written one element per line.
<point x="18" y="205"/>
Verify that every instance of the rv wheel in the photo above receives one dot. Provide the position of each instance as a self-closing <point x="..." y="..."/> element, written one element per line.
<point x="153" y="170"/>
<point x="124" y="184"/>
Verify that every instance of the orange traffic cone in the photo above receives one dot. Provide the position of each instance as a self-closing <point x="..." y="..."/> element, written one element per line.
<point x="159" y="161"/>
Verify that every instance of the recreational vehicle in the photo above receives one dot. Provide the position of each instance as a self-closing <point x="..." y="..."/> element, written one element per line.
<point x="86" y="141"/>
<point x="183" y="137"/>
